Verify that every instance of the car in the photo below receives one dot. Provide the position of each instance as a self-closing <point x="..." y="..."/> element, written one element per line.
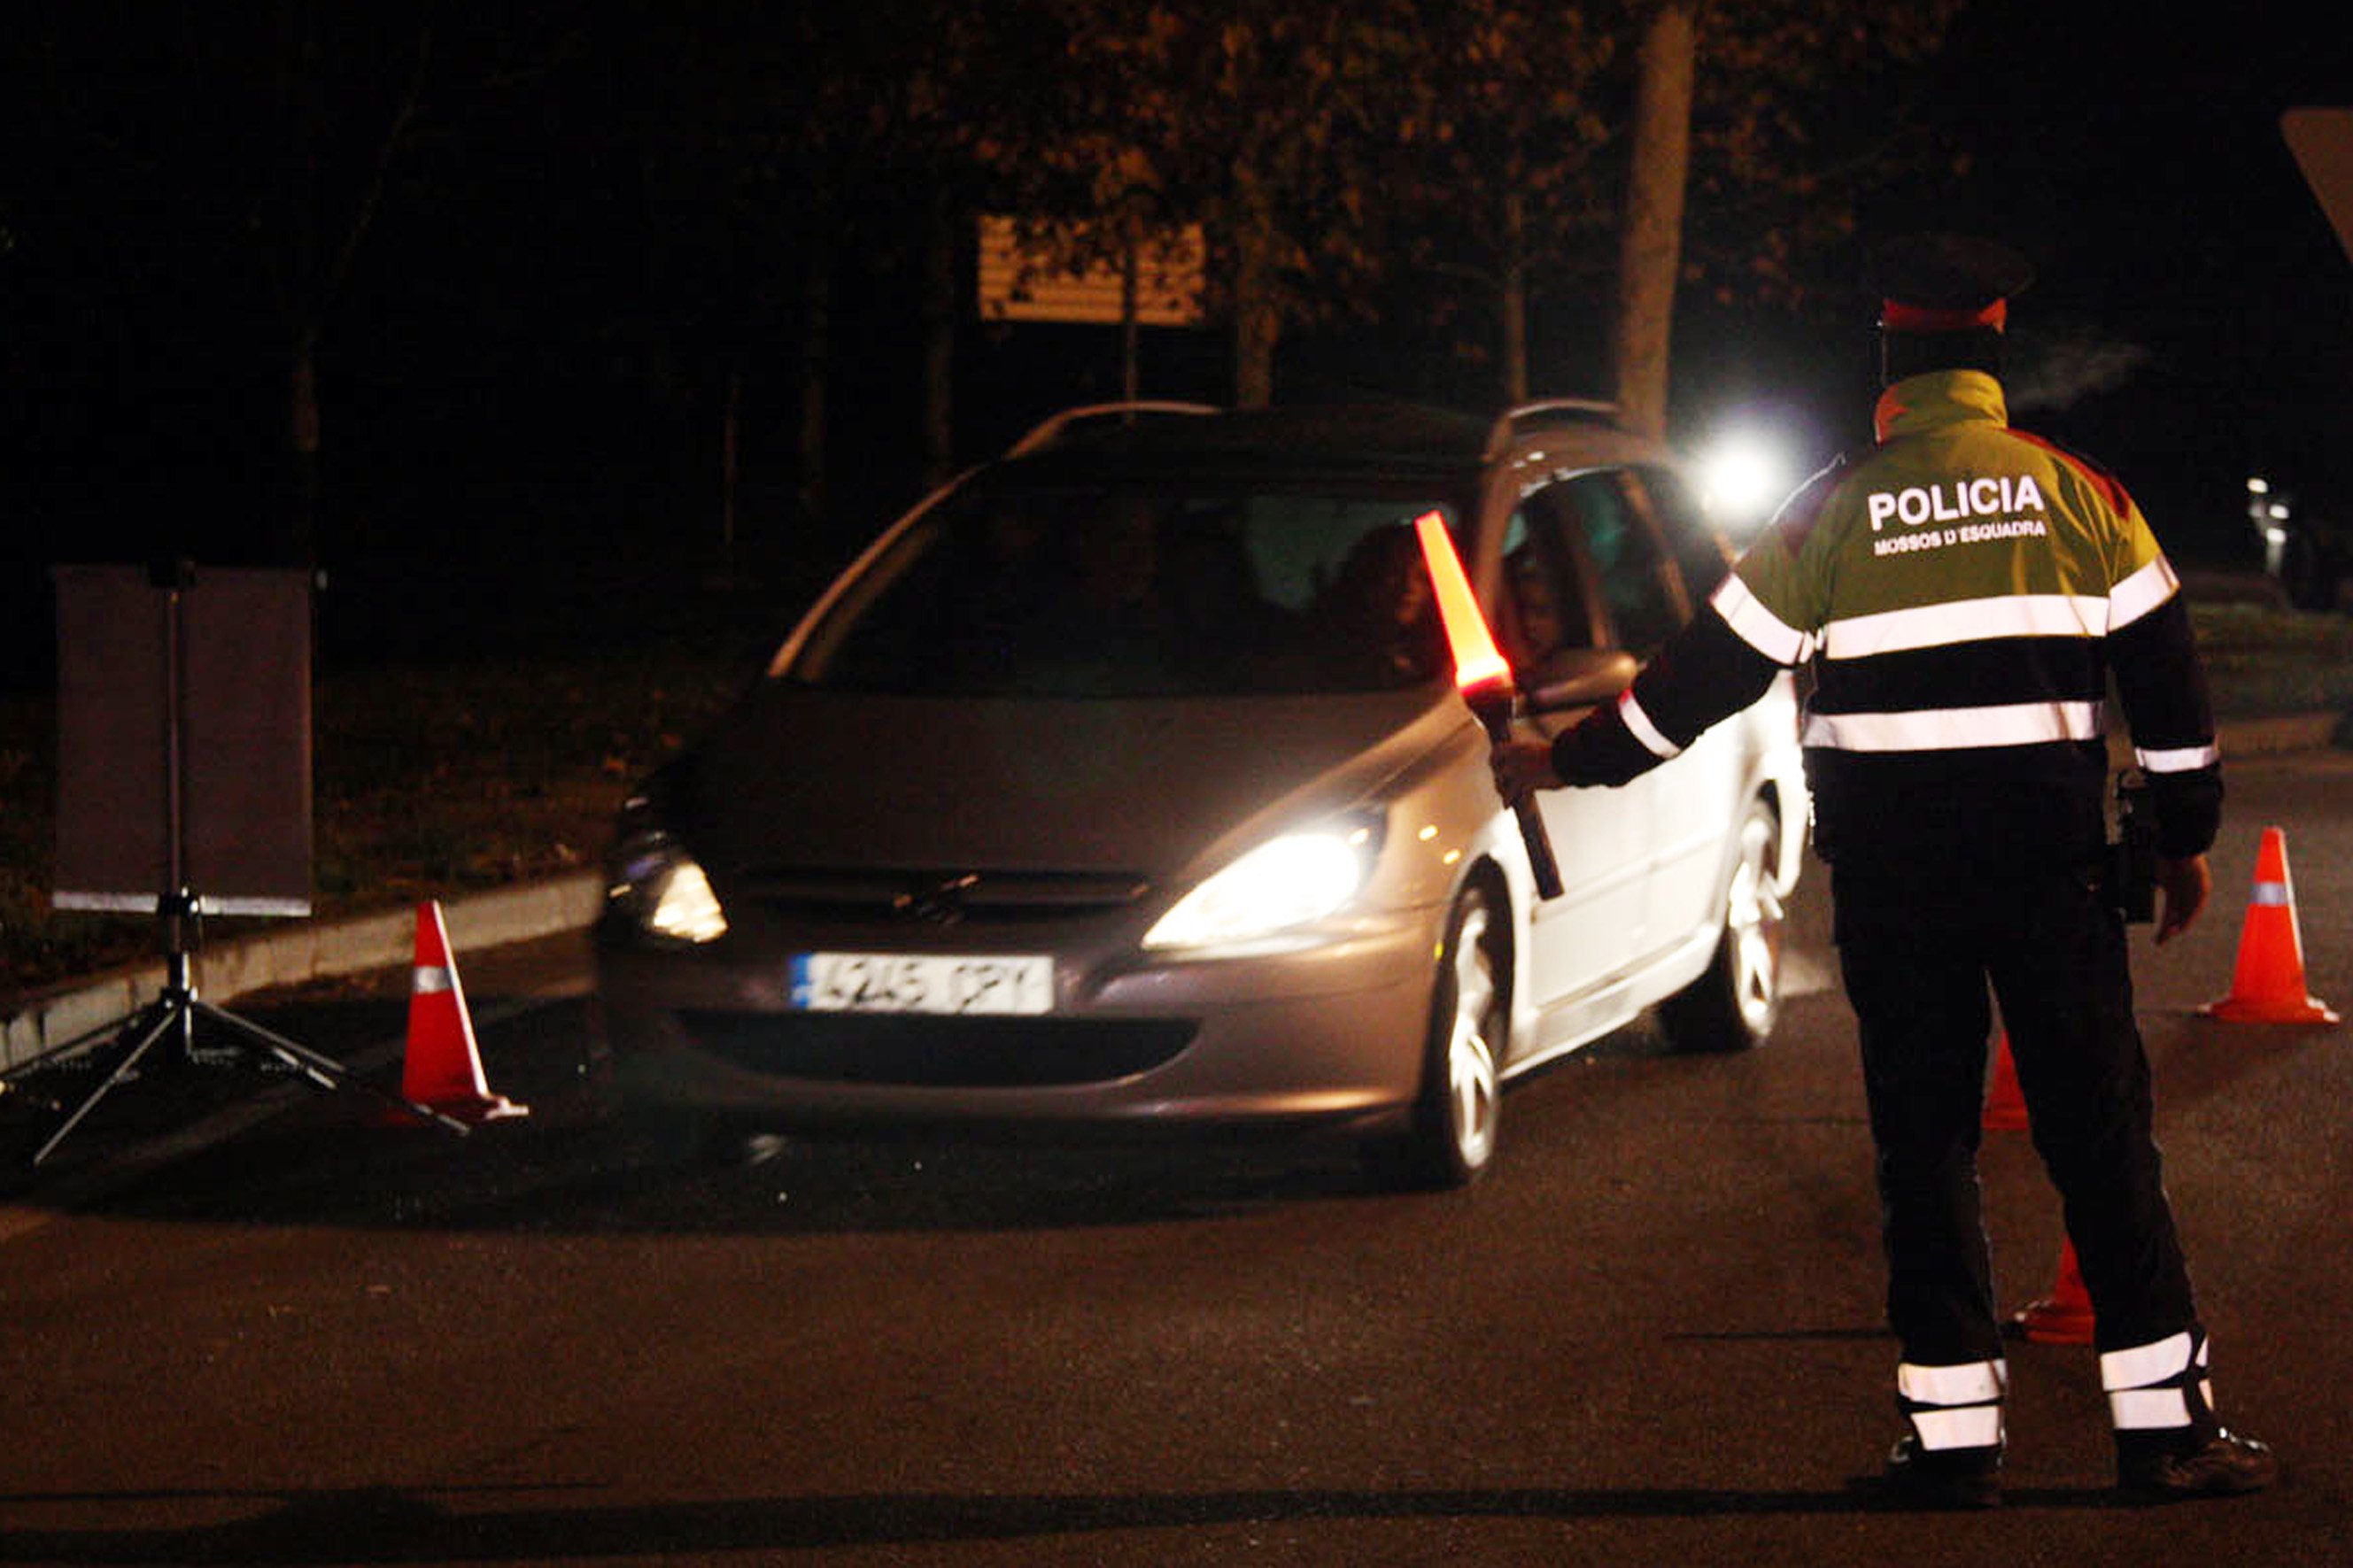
<point x="1122" y="784"/>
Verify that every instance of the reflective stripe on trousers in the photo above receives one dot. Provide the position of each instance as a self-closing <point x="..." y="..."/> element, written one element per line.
<point x="1956" y="1406"/>
<point x="2160" y="1386"/>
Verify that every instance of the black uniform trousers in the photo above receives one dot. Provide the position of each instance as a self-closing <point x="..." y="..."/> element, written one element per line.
<point x="1918" y="946"/>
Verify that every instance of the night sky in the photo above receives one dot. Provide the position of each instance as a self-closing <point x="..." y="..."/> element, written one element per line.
<point x="516" y="400"/>
<point x="2193" y="316"/>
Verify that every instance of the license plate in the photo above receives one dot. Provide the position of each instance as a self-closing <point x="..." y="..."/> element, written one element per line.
<point x="927" y="982"/>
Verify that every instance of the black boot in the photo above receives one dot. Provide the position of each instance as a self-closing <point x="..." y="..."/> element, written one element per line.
<point x="2222" y="1465"/>
<point x="1947" y="1480"/>
<point x="2169" y="1444"/>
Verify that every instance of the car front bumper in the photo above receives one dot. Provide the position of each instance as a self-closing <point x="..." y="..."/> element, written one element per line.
<point x="1330" y="1033"/>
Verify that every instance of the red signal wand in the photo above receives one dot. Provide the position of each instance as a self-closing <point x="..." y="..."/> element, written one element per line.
<point x="1484" y="679"/>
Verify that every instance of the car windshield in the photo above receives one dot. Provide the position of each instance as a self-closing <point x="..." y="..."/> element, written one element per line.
<point x="1111" y="590"/>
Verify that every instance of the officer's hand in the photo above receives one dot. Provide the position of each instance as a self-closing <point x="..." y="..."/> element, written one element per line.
<point x="2185" y="884"/>
<point x="1521" y="766"/>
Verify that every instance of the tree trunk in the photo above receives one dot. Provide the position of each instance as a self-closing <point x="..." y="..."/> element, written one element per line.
<point x="1515" y="325"/>
<point x="1258" y="318"/>
<point x="1651" y="247"/>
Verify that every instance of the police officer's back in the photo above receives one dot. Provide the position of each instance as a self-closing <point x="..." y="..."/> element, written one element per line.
<point x="1965" y="594"/>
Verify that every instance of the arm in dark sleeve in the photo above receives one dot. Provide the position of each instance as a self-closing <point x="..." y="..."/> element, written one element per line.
<point x="1706" y="673"/>
<point x="2163" y="686"/>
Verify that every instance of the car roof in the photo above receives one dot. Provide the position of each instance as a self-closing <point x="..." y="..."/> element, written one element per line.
<point x="1376" y="440"/>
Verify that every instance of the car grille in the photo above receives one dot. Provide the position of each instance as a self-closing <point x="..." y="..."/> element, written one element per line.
<point x="940" y="896"/>
<point x="934" y="1052"/>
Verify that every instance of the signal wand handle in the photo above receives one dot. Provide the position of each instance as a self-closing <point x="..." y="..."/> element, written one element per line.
<point x="1491" y="702"/>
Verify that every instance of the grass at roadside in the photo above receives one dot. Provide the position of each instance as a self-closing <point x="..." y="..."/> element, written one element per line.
<point x="2265" y="661"/>
<point x="428" y="783"/>
<point x="436" y="781"/>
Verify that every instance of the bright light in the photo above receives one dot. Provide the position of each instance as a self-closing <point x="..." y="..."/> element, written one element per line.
<point x="1282" y="883"/>
<point x="660" y="885"/>
<point x="1743" y="477"/>
<point x="686" y="908"/>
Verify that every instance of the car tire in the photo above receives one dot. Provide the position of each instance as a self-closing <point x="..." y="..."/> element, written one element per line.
<point x="1451" y="1137"/>
<point x="1734" y="1004"/>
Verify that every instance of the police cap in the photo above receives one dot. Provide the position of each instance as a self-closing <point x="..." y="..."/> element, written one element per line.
<point x="1947" y="282"/>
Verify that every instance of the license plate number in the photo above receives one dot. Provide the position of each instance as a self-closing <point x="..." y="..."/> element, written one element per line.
<point x="930" y="982"/>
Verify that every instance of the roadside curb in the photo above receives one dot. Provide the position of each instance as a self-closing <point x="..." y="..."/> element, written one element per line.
<point x="304" y="952"/>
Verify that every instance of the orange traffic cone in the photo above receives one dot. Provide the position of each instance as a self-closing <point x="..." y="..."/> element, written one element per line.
<point x="2005" y="1104"/>
<point x="2268" y="984"/>
<point x="443" y="1067"/>
<point x="2063" y="1317"/>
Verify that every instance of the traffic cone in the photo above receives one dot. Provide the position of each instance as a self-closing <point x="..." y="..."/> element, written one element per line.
<point x="2268" y="984"/>
<point x="443" y="1066"/>
<point x="2063" y="1317"/>
<point x="2005" y="1105"/>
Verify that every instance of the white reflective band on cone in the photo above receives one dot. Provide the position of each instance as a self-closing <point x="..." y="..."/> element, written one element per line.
<point x="1970" y="1426"/>
<point x="2143" y="1365"/>
<point x="430" y="981"/>
<point x="1966" y="1383"/>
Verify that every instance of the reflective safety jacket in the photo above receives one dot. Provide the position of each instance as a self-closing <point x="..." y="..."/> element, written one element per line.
<point x="1963" y="593"/>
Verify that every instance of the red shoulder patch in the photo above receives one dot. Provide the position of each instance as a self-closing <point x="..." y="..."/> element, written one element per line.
<point x="2112" y="488"/>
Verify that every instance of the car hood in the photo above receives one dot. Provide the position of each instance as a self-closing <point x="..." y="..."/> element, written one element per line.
<point x="1147" y="787"/>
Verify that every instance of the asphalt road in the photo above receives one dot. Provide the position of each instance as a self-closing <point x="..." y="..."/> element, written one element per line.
<point x="242" y="1324"/>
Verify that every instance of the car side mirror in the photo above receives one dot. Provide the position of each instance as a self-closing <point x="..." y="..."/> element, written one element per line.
<point x="1580" y="677"/>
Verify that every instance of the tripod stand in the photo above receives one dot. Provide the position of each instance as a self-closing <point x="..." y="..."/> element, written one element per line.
<point x="253" y="687"/>
<point x="175" y="1014"/>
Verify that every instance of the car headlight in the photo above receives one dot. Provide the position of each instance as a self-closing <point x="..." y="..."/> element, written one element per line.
<point x="1284" y="883"/>
<point x="659" y="886"/>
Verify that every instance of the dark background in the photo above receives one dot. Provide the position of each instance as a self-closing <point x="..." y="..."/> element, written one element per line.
<point x="521" y="378"/>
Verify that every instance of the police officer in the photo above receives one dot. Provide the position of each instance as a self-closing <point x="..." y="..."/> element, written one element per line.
<point x="1964" y="592"/>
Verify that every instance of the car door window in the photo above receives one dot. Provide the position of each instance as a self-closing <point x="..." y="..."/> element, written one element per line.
<point x="1602" y="549"/>
<point x="1546" y="611"/>
<point x="1699" y="552"/>
<point x="1639" y="587"/>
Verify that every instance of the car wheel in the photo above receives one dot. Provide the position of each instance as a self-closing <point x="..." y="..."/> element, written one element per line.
<point x="1450" y="1141"/>
<point x="1733" y="1005"/>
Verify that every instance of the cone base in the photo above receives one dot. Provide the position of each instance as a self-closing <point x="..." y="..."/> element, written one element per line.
<point x="473" y="1112"/>
<point x="2270" y="1010"/>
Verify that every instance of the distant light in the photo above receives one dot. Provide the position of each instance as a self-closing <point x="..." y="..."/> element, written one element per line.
<point x="2259" y="486"/>
<point x="1743" y="477"/>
